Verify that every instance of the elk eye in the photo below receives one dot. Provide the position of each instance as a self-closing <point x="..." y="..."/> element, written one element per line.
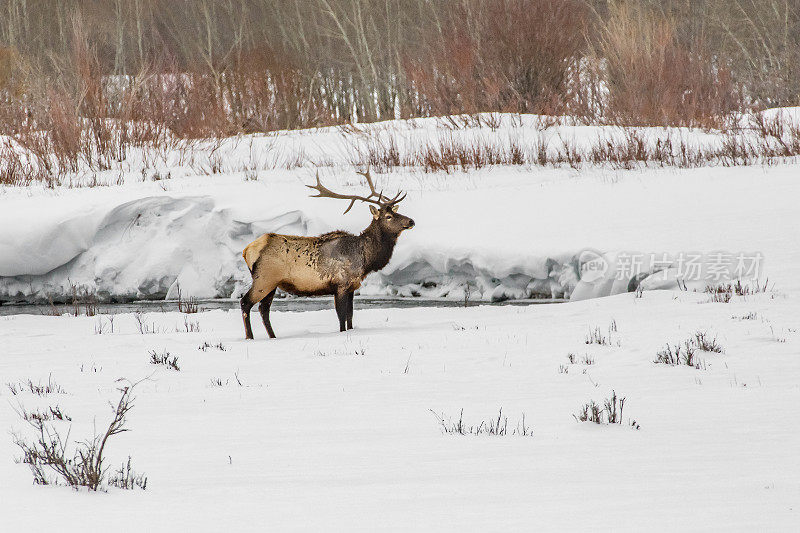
<point x="388" y="217"/>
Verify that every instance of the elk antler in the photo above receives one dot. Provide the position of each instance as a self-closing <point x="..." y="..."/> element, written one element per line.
<point x="374" y="197"/>
<point x="383" y="199"/>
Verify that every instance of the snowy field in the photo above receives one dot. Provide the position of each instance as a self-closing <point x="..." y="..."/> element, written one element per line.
<point x="330" y="431"/>
<point x="321" y="430"/>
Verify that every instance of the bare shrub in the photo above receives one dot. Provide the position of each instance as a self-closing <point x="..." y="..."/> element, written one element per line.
<point x="53" y="412"/>
<point x="51" y="461"/>
<point x="103" y="326"/>
<point x="206" y="345"/>
<point x="534" y="44"/>
<point x="13" y="171"/>
<point x="678" y="354"/>
<point x="596" y="336"/>
<point x="144" y="327"/>
<point x="164" y="359"/>
<point x="609" y="413"/>
<point x="590" y="412"/>
<point x="653" y="77"/>
<point x="495" y="426"/>
<point x="610" y="407"/>
<point x="217" y="382"/>
<point x="191" y="326"/>
<point x="719" y="293"/>
<point x="753" y="288"/>
<point x="707" y="344"/>
<point x="759" y="40"/>
<point x="126" y="478"/>
<point x="189" y="305"/>
<point x="724" y="292"/>
<point x="39" y="389"/>
<point x="84" y="301"/>
<point x="685" y="353"/>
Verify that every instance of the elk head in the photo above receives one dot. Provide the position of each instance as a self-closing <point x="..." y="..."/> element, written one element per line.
<point x="383" y="208"/>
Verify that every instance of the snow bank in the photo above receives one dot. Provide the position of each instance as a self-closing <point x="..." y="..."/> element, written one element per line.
<point x="492" y="234"/>
<point x="152" y="246"/>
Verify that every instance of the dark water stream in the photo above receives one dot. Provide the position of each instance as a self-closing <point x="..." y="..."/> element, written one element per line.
<point x="282" y="304"/>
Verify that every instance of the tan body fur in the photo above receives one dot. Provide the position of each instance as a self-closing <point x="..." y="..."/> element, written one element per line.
<point x="296" y="265"/>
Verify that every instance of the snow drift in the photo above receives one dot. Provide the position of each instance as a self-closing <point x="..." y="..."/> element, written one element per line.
<point x="489" y="234"/>
<point x="153" y="246"/>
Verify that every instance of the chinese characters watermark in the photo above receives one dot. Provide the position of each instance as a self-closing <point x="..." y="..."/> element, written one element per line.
<point x="710" y="267"/>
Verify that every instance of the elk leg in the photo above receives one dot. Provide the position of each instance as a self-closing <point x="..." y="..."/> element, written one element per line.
<point x="247" y="304"/>
<point x="264" y="309"/>
<point x="350" y="310"/>
<point x="340" y="302"/>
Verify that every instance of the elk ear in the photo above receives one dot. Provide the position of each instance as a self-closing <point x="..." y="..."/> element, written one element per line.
<point x="374" y="210"/>
<point x="395" y="208"/>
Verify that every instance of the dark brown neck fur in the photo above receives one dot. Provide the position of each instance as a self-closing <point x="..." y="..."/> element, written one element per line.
<point x="377" y="246"/>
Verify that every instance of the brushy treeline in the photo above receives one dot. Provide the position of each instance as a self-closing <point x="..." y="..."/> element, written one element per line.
<point x="209" y="68"/>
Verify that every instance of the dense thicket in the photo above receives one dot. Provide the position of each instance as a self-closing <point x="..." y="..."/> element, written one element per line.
<point x="216" y="67"/>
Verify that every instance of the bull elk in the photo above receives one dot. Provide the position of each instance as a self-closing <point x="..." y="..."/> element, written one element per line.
<point x="334" y="263"/>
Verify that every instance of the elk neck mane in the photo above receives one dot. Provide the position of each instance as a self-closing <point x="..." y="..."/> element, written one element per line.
<point x="377" y="246"/>
<point x="374" y="244"/>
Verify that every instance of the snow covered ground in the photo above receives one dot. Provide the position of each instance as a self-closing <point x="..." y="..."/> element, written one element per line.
<point x="333" y="431"/>
<point x="321" y="430"/>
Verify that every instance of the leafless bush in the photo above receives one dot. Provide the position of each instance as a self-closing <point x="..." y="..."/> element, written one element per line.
<point x="654" y="78"/>
<point x="719" y="293"/>
<point x="595" y="336"/>
<point x="495" y="426"/>
<point x="16" y="168"/>
<point x="724" y="292"/>
<point x="39" y="389"/>
<point x="104" y="325"/>
<point x="620" y="148"/>
<point x="53" y="412"/>
<point x="590" y="412"/>
<point x="126" y="478"/>
<point x="164" y="359"/>
<point x="206" y="345"/>
<point x="188" y="305"/>
<point x="685" y="353"/>
<point x="679" y="354"/>
<point x="753" y="288"/>
<point x="83" y="301"/>
<point x="52" y="462"/>
<point x="143" y="326"/>
<point x="610" y="407"/>
<point x="217" y="382"/>
<point x="191" y="326"/>
<point x="705" y="343"/>
<point x="535" y="44"/>
<point x="609" y="413"/>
